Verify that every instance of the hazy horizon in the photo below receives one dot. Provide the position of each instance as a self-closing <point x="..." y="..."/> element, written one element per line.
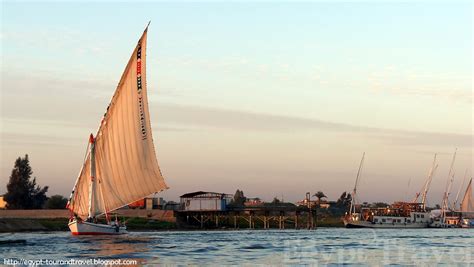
<point x="270" y="98"/>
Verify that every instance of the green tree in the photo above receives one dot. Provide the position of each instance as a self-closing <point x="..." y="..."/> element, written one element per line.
<point x="344" y="200"/>
<point x="320" y="195"/>
<point x="341" y="199"/>
<point x="348" y="199"/>
<point x="22" y="192"/>
<point x="56" y="202"/>
<point x="239" y="198"/>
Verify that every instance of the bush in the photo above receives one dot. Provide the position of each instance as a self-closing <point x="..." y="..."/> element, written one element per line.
<point x="56" y="202"/>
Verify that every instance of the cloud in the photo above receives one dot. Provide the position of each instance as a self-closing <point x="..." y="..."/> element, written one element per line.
<point x="58" y="107"/>
<point x="243" y="121"/>
<point x="56" y="38"/>
<point x="455" y="88"/>
<point x="37" y="139"/>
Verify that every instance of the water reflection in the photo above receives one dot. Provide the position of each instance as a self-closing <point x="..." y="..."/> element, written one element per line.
<point x="129" y="247"/>
<point x="322" y="246"/>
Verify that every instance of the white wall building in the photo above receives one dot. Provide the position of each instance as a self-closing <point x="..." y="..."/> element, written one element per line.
<point x="205" y="201"/>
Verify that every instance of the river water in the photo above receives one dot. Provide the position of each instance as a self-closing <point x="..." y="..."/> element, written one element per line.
<point x="333" y="246"/>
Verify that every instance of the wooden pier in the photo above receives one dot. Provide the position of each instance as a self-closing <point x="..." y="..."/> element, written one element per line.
<point x="262" y="217"/>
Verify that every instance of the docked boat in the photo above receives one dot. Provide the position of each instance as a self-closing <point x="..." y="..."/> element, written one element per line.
<point x="398" y="215"/>
<point x="467" y="223"/>
<point x="447" y="219"/>
<point x="120" y="166"/>
<point x="447" y="216"/>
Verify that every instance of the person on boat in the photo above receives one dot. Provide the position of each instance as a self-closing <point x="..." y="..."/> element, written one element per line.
<point x="91" y="219"/>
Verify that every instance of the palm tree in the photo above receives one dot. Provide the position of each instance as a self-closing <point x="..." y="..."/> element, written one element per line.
<point x="319" y="195"/>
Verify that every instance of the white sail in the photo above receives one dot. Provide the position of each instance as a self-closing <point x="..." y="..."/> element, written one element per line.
<point x="126" y="167"/>
<point x="467" y="204"/>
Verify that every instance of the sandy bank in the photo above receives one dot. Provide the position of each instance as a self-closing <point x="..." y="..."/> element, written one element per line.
<point x="162" y="215"/>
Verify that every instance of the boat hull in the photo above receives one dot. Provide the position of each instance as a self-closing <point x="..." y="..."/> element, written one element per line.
<point x="88" y="228"/>
<point x="366" y="224"/>
<point x="467" y="223"/>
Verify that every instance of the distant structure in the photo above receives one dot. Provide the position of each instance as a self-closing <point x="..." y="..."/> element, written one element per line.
<point x="148" y="203"/>
<point x="171" y="205"/>
<point x="205" y="201"/>
<point x="253" y="202"/>
<point x="3" y="203"/>
<point x="307" y="202"/>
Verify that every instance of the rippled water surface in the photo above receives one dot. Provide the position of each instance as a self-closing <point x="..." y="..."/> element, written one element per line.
<point x="272" y="247"/>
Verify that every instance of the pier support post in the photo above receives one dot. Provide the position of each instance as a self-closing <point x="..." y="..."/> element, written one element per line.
<point x="315" y="224"/>
<point x="310" y="220"/>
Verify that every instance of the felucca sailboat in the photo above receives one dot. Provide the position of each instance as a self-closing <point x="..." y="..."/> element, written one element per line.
<point x="120" y="166"/>
<point x="467" y="208"/>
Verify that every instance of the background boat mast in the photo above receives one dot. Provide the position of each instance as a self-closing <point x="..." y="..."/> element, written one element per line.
<point x="459" y="191"/>
<point x="434" y="166"/>
<point x="448" y="188"/>
<point x="354" y="192"/>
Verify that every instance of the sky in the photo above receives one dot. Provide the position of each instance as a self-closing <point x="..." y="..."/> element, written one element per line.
<point x="274" y="98"/>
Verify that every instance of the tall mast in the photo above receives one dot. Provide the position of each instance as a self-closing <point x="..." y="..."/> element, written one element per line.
<point x="434" y="166"/>
<point x="449" y="191"/>
<point x="448" y="187"/>
<point x="92" y="174"/>
<point x="354" y="192"/>
<point x="424" y="191"/>
<point x="408" y="188"/>
<point x="107" y="218"/>
<point x="459" y="191"/>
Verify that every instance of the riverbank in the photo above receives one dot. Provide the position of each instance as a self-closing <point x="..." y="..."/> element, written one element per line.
<point x="57" y="220"/>
<point x="161" y="215"/>
<point x="10" y="225"/>
<point x="135" y="219"/>
<point x="330" y="222"/>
